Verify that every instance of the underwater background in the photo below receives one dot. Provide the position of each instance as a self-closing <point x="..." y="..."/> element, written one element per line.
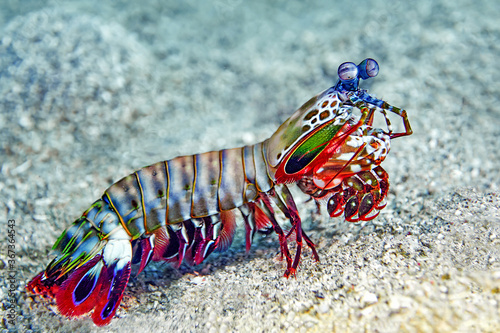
<point x="92" y="90"/>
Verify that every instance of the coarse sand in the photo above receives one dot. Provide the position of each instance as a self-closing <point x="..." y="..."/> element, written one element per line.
<point x="91" y="91"/>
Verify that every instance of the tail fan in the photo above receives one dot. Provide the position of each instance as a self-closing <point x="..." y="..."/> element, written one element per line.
<point x="114" y="281"/>
<point x="78" y="294"/>
<point x="89" y="274"/>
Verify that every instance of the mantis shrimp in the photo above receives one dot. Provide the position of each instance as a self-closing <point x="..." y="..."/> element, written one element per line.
<point x="182" y="209"/>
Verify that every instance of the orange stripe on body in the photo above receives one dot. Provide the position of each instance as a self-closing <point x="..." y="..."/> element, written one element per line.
<point x="118" y="214"/>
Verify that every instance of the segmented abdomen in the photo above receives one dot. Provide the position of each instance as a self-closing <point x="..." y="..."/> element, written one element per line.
<point x="185" y="187"/>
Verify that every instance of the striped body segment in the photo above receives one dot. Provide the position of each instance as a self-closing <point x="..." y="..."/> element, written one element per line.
<point x="188" y="187"/>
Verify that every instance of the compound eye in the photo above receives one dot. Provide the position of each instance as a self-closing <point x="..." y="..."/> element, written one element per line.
<point x="348" y="71"/>
<point x="368" y="68"/>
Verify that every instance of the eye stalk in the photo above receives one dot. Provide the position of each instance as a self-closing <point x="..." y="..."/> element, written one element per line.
<point x="368" y="68"/>
<point x="348" y="71"/>
<point x="349" y="74"/>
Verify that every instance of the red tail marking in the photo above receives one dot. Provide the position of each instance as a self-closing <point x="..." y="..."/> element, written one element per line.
<point x="36" y="286"/>
<point x="113" y="285"/>
<point x="77" y="295"/>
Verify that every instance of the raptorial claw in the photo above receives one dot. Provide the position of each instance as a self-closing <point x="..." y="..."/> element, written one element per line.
<point x="359" y="197"/>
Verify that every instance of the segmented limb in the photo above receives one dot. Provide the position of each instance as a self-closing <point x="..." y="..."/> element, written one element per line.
<point x="284" y="200"/>
<point x="358" y="197"/>
<point x="361" y="99"/>
<point x="247" y="211"/>
<point x="403" y="114"/>
<point x="264" y="204"/>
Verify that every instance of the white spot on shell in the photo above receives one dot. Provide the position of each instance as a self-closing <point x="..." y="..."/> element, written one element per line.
<point x="345" y="156"/>
<point x="369" y="149"/>
<point x="117" y="250"/>
<point x="322" y="183"/>
<point x="354" y="141"/>
<point x="355" y="167"/>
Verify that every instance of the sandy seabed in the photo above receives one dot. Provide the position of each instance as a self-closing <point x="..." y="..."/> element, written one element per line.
<point x="90" y="92"/>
